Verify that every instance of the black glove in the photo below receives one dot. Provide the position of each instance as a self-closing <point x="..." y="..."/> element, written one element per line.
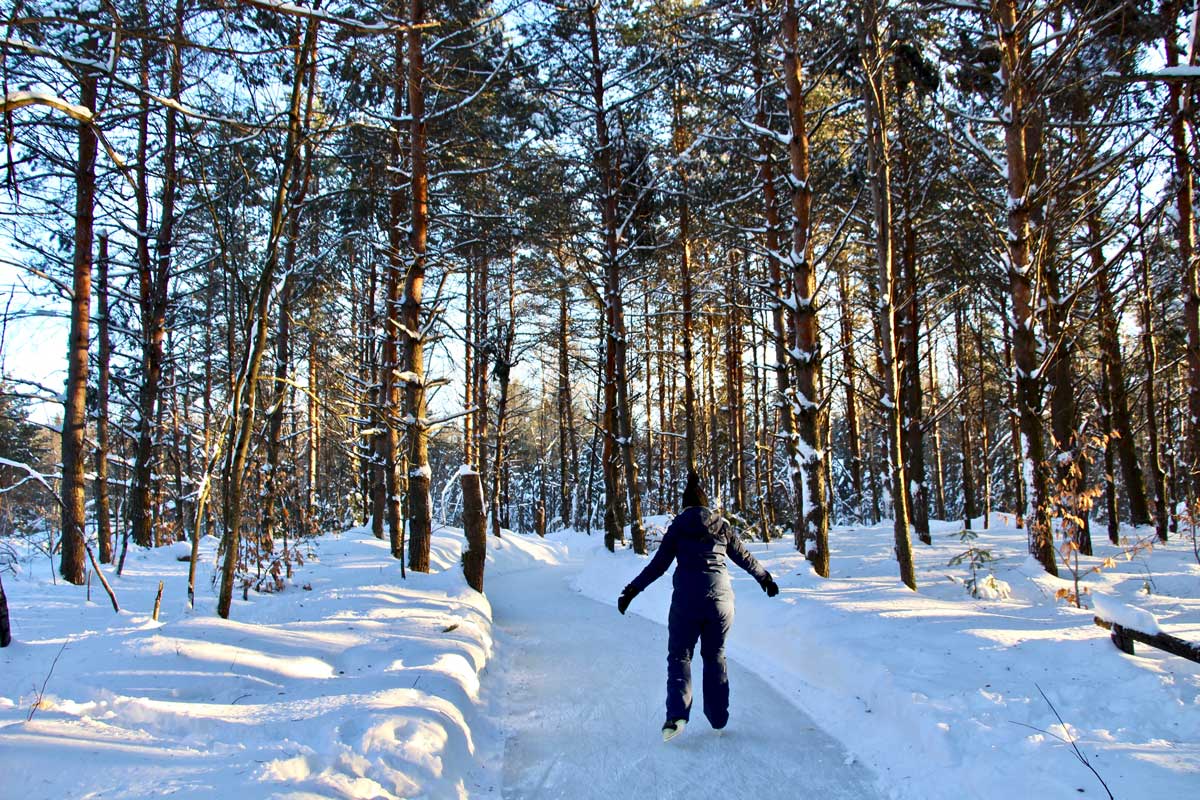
<point x="770" y="587"/>
<point x="627" y="595"/>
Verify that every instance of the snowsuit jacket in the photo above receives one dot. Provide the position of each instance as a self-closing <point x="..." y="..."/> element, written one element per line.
<point x="700" y="540"/>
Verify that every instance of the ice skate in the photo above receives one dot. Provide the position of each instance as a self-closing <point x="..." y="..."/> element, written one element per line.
<point x="672" y="728"/>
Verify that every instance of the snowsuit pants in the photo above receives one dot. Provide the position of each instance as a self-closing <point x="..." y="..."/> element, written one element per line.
<point x="707" y="619"/>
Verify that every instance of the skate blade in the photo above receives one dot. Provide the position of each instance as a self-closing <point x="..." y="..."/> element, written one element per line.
<point x="671" y="731"/>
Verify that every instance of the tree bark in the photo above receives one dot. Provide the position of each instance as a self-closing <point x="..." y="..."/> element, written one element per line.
<point x="314" y="432"/>
<point x="876" y="105"/>
<point x="853" y="434"/>
<point x="966" y="422"/>
<point x="154" y="292"/>
<point x="100" y="487"/>
<point x="1180" y="108"/>
<point x="735" y="386"/>
<point x="685" y="271"/>
<point x="806" y="352"/>
<point x="1113" y="368"/>
<point x="388" y="449"/>
<point x="614" y="415"/>
<point x="277" y="394"/>
<point x="909" y="349"/>
<point x="939" y="473"/>
<point x="1068" y="458"/>
<point x="1023" y="279"/>
<point x="418" y="506"/>
<point x="74" y="424"/>
<point x="568" y="458"/>
<point x="480" y="428"/>
<point x="245" y="387"/>
<point x="1158" y="475"/>
<point x="985" y="444"/>
<point x="475" y="528"/>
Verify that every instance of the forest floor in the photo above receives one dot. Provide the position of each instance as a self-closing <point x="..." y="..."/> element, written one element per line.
<point x="354" y="683"/>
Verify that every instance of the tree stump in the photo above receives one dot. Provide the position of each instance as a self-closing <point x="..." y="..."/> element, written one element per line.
<point x="5" y="630"/>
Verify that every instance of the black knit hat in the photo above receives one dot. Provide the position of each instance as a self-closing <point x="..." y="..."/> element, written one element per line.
<point x="693" y="493"/>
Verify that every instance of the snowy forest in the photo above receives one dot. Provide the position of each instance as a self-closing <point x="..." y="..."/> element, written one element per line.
<point x="911" y="284"/>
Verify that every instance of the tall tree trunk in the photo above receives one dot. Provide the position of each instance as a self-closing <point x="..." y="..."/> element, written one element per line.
<point x="74" y="453"/>
<point x="280" y="389"/>
<point x="566" y="454"/>
<point x="637" y="531"/>
<point x="853" y="434"/>
<point x="418" y="505"/>
<point x="685" y="271"/>
<point x="780" y="339"/>
<point x="1180" y="108"/>
<point x="390" y="388"/>
<point x="1113" y="368"/>
<point x="909" y="349"/>
<point x="1023" y="278"/>
<point x="506" y="332"/>
<point x="966" y="422"/>
<point x="141" y="476"/>
<point x="760" y="443"/>
<point x="277" y="393"/>
<point x="734" y="386"/>
<point x="483" y="352"/>
<point x="469" y="359"/>
<point x="245" y="389"/>
<point x="1069" y="460"/>
<point x="1110" y="478"/>
<point x="806" y="352"/>
<point x="475" y="528"/>
<point x="649" y="324"/>
<point x="100" y="487"/>
<point x="312" y="477"/>
<point x="985" y="444"/>
<point x="606" y="170"/>
<point x="154" y="294"/>
<point x="939" y="474"/>
<point x="1158" y="475"/>
<point x="876" y="105"/>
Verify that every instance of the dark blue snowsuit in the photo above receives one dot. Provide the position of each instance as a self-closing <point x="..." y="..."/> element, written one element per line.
<point x="701" y="606"/>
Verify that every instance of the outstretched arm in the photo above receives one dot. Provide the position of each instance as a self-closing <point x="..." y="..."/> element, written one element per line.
<point x="658" y="564"/>
<point x="743" y="558"/>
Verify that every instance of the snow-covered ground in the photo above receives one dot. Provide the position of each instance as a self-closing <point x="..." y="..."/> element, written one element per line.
<point x="354" y="683"/>
<point x="940" y="693"/>
<point x="349" y="683"/>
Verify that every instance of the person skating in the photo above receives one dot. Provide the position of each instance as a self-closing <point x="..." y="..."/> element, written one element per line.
<point x="699" y="539"/>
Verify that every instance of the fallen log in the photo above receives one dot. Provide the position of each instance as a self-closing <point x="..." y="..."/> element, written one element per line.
<point x="1124" y="638"/>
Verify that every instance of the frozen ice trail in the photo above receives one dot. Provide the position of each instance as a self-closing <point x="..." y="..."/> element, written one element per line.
<point x="581" y="693"/>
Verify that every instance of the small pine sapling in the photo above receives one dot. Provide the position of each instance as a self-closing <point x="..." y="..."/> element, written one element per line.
<point x="977" y="559"/>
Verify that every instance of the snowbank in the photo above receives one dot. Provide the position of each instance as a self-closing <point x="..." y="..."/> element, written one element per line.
<point x="349" y="683"/>
<point x="939" y="692"/>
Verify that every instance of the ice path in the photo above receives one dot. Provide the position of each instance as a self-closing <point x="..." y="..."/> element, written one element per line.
<point x="581" y="693"/>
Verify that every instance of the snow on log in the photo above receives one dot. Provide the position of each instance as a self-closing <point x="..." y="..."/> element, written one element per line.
<point x="1125" y="615"/>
